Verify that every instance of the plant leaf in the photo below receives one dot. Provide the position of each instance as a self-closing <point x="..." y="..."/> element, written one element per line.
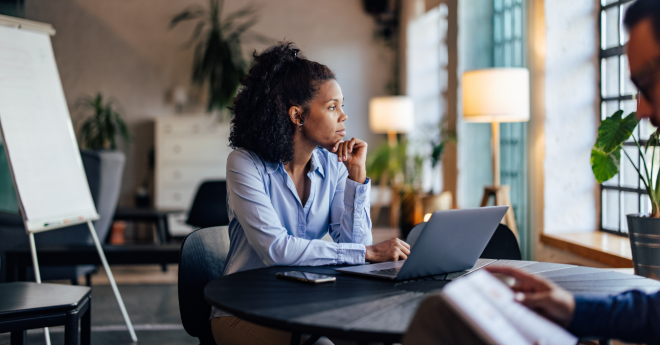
<point x="191" y="12"/>
<point x="437" y="153"/>
<point x="614" y="130"/>
<point x="605" y="165"/>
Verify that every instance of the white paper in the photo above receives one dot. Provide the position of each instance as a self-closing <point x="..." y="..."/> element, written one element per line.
<point x="38" y="133"/>
<point x="490" y="305"/>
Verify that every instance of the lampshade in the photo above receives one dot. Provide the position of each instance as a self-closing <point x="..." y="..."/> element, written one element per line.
<point x="392" y="114"/>
<point x="496" y="95"/>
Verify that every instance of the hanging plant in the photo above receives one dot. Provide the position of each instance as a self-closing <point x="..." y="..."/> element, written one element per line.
<point x="218" y="63"/>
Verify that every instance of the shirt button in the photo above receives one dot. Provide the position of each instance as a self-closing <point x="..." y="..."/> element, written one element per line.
<point x="361" y="191"/>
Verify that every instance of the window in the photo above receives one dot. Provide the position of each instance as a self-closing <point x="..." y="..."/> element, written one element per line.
<point x="624" y="193"/>
<point x="509" y="17"/>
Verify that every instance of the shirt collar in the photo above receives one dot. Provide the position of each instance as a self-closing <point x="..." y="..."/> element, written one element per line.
<point x="316" y="163"/>
<point x="315" y="166"/>
<point x="271" y="166"/>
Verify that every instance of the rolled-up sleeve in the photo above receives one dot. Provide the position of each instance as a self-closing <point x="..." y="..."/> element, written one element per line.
<point x="350" y="220"/>
<point x="252" y="207"/>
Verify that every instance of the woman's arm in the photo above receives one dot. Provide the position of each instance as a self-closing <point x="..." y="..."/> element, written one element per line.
<point x="263" y="229"/>
<point x="350" y="219"/>
<point x="351" y="206"/>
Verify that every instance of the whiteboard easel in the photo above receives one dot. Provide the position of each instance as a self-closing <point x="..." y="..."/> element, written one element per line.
<point x="39" y="141"/>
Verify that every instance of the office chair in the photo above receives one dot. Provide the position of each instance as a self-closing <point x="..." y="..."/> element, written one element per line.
<point x="503" y="245"/>
<point x="202" y="259"/>
<point x="209" y="207"/>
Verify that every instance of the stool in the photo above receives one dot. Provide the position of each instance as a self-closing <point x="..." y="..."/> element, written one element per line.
<point x="27" y="305"/>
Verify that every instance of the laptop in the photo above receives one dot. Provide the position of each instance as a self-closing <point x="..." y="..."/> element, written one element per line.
<point x="451" y="241"/>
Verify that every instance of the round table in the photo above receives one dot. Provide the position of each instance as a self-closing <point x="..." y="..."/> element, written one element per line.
<point x="366" y="309"/>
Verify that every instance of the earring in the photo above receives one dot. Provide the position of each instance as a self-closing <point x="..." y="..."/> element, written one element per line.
<point x="300" y="126"/>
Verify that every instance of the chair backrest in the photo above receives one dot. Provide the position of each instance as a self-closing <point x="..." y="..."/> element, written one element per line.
<point x="202" y="259"/>
<point x="503" y="245"/>
<point x="209" y="207"/>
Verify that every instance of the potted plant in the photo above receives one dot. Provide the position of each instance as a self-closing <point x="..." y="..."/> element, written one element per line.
<point x="101" y="125"/>
<point x="218" y="63"/>
<point x="392" y="164"/>
<point x="643" y="229"/>
<point x="385" y="165"/>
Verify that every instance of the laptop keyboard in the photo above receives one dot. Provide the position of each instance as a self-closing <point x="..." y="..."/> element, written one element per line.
<point x="387" y="272"/>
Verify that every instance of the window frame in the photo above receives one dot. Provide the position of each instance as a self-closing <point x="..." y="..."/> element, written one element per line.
<point x="605" y="53"/>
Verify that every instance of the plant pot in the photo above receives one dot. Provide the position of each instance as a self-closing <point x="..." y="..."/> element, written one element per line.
<point x="411" y="212"/>
<point x="644" y="233"/>
<point x="437" y="202"/>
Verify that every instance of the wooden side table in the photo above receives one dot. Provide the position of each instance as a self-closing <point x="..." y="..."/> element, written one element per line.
<point x="26" y="306"/>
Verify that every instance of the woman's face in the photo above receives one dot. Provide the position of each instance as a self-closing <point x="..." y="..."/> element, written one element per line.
<point x="324" y="124"/>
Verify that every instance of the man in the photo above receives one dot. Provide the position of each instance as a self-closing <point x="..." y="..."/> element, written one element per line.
<point x="632" y="316"/>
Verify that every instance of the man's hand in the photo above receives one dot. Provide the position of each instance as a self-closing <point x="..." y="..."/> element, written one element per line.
<point x="540" y="295"/>
<point x="390" y="250"/>
<point x="354" y="155"/>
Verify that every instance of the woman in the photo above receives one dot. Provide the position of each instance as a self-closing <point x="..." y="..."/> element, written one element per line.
<point x="291" y="179"/>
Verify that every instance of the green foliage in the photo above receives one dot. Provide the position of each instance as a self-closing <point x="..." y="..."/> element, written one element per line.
<point x="396" y="165"/>
<point x="614" y="130"/>
<point x="437" y="153"/>
<point x="103" y="124"/>
<point x="606" y="154"/>
<point x="605" y="165"/>
<point x="218" y="63"/>
<point x="387" y="161"/>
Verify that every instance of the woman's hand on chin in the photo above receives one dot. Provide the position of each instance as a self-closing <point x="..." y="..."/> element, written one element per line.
<point x="390" y="250"/>
<point x="353" y="153"/>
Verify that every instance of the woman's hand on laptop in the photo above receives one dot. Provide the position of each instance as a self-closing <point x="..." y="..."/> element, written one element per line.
<point x="390" y="250"/>
<point x="540" y="295"/>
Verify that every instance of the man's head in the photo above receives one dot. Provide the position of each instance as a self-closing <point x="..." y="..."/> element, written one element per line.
<point x="642" y="20"/>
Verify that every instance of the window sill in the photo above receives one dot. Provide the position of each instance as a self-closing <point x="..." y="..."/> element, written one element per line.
<point x="609" y="249"/>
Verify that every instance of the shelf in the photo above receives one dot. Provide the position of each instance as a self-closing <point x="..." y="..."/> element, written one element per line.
<point x="612" y="250"/>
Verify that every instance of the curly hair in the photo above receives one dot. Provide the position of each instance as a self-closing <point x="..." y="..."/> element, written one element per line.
<point x="280" y="77"/>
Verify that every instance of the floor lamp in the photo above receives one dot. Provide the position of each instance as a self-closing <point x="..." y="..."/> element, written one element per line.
<point x="391" y="115"/>
<point x="497" y="95"/>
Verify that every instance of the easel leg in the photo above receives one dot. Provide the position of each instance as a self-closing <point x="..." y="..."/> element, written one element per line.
<point x="111" y="278"/>
<point x="37" y="275"/>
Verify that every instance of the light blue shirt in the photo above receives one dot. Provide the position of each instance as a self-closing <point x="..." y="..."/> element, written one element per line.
<point x="269" y="226"/>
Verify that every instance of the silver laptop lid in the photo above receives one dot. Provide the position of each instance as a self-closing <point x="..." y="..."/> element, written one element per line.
<point x="452" y="241"/>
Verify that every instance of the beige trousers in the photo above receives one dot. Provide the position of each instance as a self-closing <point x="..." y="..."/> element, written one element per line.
<point x="230" y="330"/>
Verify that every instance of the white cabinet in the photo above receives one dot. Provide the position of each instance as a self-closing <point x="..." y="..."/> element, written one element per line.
<point x="189" y="150"/>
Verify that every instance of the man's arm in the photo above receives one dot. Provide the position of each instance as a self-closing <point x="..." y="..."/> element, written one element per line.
<point x="632" y="316"/>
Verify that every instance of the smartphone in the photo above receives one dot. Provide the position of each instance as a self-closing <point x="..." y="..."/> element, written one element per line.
<point x="307" y="277"/>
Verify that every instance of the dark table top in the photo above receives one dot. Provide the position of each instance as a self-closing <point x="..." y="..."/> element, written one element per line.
<point x="362" y="308"/>
<point x="25" y="298"/>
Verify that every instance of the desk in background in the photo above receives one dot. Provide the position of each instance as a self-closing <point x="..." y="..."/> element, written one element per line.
<point x="19" y="259"/>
